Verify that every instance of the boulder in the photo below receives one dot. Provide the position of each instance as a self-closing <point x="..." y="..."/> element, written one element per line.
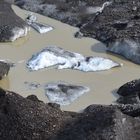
<point x="130" y="88"/>
<point x="129" y="93"/>
<point x="12" y="27"/>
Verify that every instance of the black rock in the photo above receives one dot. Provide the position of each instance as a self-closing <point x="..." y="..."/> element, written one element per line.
<point x="33" y="98"/>
<point x="78" y="35"/>
<point x="22" y="118"/>
<point x="54" y="105"/>
<point x="129" y="100"/>
<point x="130" y="88"/>
<point x="2" y="93"/>
<point x="11" y="26"/>
<point x="131" y="110"/>
<point x="129" y="93"/>
<point x="4" y="69"/>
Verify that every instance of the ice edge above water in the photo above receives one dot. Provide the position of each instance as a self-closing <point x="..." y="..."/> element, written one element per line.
<point x="56" y="56"/>
<point x="63" y="93"/>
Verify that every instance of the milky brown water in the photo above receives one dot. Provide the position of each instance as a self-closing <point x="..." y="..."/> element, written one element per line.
<point x="102" y="84"/>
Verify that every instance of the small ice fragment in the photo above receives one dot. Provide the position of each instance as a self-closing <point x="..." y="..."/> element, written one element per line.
<point x="41" y="28"/>
<point x="32" y="85"/>
<point x="63" y="93"/>
<point x="21" y="61"/>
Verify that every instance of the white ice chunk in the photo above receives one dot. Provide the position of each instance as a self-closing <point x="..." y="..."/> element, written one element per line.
<point x="19" y="32"/>
<point x="63" y="93"/>
<point x="41" y="28"/>
<point x="55" y="56"/>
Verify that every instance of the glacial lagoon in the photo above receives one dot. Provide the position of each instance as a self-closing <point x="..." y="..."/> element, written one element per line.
<point x="102" y="84"/>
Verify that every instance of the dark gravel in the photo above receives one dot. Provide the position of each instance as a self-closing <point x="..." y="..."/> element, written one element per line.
<point x="30" y="119"/>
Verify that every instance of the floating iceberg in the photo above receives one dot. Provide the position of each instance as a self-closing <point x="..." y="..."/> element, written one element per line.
<point x="63" y="93"/>
<point x="55" y="56"/>
<point x="41" y="28"/>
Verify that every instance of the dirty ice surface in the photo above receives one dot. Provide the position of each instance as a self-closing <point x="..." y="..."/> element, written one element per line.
<point x="63" y="93"/>
<point x="41" y="28"/>
<point x="56" y="56"/>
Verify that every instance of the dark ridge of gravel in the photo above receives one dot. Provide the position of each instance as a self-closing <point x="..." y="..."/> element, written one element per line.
<point x="31" y="119"/>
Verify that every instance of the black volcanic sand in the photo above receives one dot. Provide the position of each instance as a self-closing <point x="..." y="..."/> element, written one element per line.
<point x="4" y="69"/>
<point x="30" y="119"/>
<point x="118" y="25"/>
<point x="9" y="21"/>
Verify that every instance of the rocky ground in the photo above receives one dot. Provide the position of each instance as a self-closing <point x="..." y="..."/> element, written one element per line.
<point x="116" y="24"/>
<point x="11" y="26"/>
<point x="30" y="119"/>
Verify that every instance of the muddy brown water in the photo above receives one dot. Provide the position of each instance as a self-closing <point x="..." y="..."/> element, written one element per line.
<point x="102" y="84"/>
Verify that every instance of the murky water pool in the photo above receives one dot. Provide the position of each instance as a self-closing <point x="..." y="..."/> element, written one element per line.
<point x="102" y="84"/>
